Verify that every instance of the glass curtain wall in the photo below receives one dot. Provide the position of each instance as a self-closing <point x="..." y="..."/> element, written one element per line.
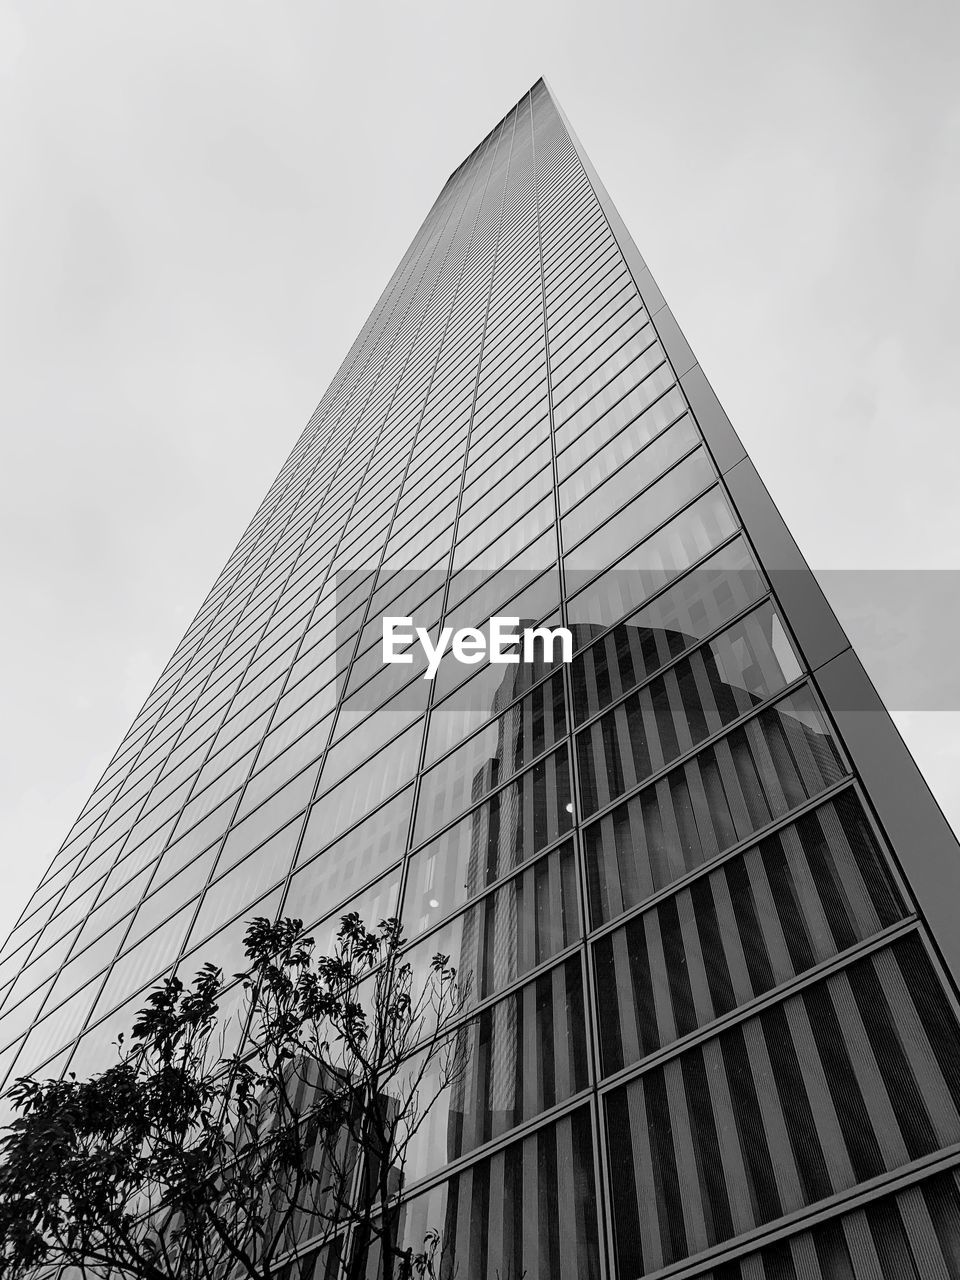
<point x="707" y="1036"/>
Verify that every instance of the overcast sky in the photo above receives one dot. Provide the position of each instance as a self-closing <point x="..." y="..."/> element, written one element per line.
<point x="201" y="202"/>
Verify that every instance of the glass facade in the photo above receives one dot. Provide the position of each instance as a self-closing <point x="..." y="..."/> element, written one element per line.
<point x="709" y="1034"/>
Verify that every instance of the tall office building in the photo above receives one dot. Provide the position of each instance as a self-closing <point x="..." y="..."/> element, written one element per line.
<point x="705" y="898"/>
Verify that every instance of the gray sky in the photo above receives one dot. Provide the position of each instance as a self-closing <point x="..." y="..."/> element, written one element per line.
<point x="201" y="202"/>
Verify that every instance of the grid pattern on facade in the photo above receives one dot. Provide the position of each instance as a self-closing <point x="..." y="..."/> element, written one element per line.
<point x="705" y="1016"/>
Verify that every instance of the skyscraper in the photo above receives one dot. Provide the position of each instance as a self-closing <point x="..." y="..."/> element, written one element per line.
<point x="705" y="898"/>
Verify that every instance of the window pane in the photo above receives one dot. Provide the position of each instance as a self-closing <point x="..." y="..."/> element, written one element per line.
<point x="522" y="1055"/>
<point x="714" y="685"/>
<point x="350" y="862"/>
<point x="675" y="621"/>
<point x="803" y="894"/>
<point x="679" y="544"/>
<point x="499" y="1216"/>
<point x="650" y="509"/>
<point x="511" y="930"/>
<point x="530" y="727"/>
<point x="760" y="771"/>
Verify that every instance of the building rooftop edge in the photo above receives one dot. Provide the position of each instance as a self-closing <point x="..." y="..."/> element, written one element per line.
<point x="539" y="80"/>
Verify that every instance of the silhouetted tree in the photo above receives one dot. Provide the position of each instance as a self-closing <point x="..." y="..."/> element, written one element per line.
<point x="185" y="1161"/>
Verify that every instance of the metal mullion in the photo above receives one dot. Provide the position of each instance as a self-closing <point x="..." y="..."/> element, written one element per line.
<point x="523" y="309"/>
<point x="796" y="1222"/>
<point x="453" y="541"/>
<point x="473" y="493"/>
<point x="605" y="302"/>
<point x="499" y="494"/>
<point x="559" y="200"/>
<point x="556" y="260"/>
<point x="591" y="349"/>
<point x="561" y="742"/>
<point x="602" y="325"/>
<point x="376" y="437"/>
<point x="819" y="972"/>
<point x="587" y="977"/>
<point x="465" y="204"/>
<point x="75" y="1039"/>
<point x="684" y="412"/>
<point x="589" y="275"/>
<point x="510" y="416"/>
<point x="709" y="865"/>
<point x="488" y="1149"/>
<point x="569" y="290"/>
<point x="675" y="661"/>
<point x="488" y="889"/>
<point x="495" y="433"/>
<point x="803" y="680"/>
<point x="607" y="360"/>
<point x="590" y="295"/>
<point x="517" y="376"/>
<point x="646" y="538"/>
<point x="563" y="271"/>
<point x="633" y="367"/>
<point x="831" y="1208"/>
<point x="610" y="515"/>
<point x="517" y="357"/>
<point x="345" y="1261"/>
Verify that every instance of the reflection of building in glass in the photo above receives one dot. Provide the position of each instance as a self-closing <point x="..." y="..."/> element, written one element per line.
<point x="705" y="898"/>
